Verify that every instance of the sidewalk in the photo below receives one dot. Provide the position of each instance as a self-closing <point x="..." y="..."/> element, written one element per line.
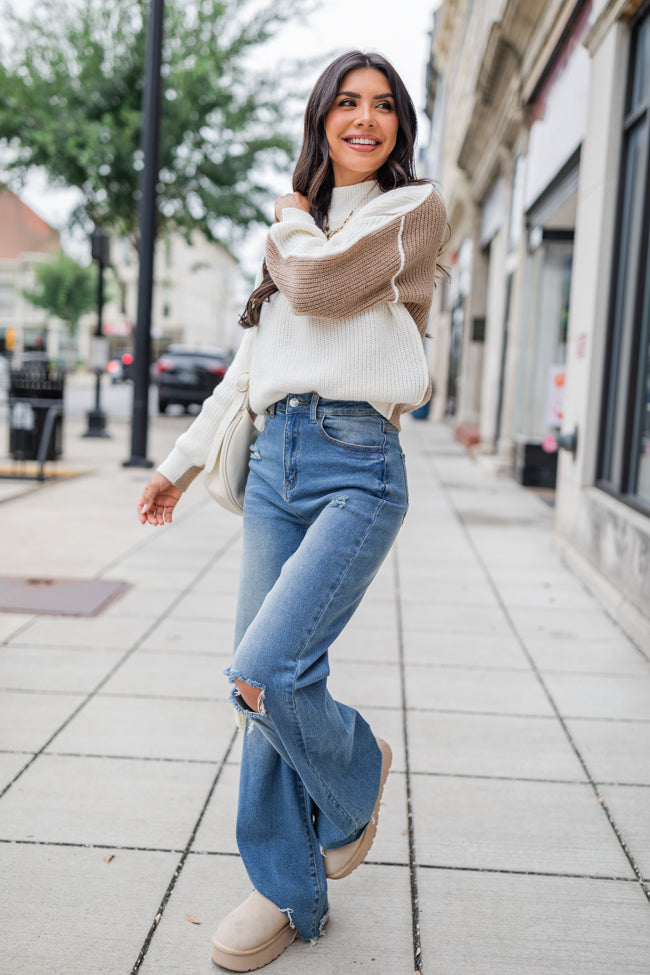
<point x="519" y="716"/>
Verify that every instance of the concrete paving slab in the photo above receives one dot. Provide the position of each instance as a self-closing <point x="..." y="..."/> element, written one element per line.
<point x="357" y="937"/>
<point x="29" y="718"/>
<point x="205" y="606"/>
<point x="441" y="618"/>
<point x="614" y="656"/>
<point x="106" y="802"/>
<point x="142" y="601"/>
<point x="551" y="596"/>
<point x="523" y="826"/>
<point x="158" y="674"/>
<point x="366" y="644"/>
<point x="464" y="650"/>
<point x="66" y="911"/>
<point x="11" y="624"/>
<point x="491" y="745"/>
<point x="420" y="578"/>
<point x="391" y="844"/>
<point x="11" y="764"/>
<point x="487" y="691"/>
<point x="111" y="632"/>
<point x="611" y="696"/>
<point x="451" y="592"/>
<point x="614" y="751"/>
<point x="629" y="807"/>
<point x="504" y="924"/>
<point x="216" y="834"/>
<point x="366" y="685"/>
<point x="151" y="578"/>
<point x="376" y="613"/>
<point x="192" y="635"/>
<point x="45" y="669"/>
<point x="142" y="727"/>
<point x="564" y="623"/>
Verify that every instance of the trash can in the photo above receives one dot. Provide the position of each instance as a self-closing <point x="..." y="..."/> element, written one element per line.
<point x="36" y="414"/>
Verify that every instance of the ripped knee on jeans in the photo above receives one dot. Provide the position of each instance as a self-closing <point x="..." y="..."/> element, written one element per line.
<point x="252" y="695"/>
<point x="247" y="694"/>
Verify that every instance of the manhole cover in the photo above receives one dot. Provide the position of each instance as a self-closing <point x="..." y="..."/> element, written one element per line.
<point x="58" y="597"/>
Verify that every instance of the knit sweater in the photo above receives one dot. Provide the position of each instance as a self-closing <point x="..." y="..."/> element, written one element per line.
<point x="349" y="317"/>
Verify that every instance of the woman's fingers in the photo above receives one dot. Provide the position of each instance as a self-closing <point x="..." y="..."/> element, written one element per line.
<point x="157" y="501"/>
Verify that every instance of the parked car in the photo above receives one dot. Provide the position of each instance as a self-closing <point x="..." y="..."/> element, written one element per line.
<point x="120" y="368"/>
<point x="187" y="375"/>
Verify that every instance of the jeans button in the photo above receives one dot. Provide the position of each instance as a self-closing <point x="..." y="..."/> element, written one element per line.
<point x="294" y="402"/>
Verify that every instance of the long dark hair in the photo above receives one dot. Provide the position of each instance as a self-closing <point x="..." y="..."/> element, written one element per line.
<point x="313" y="175"/>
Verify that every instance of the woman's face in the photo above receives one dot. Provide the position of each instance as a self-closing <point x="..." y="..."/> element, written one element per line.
<point x="361" y="126"/>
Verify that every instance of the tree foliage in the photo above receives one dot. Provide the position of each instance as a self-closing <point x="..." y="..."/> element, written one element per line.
<point x="71" y="77"/>
<point x="64" y="289"/>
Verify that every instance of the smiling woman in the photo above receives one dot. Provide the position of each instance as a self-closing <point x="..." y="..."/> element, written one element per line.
<point x="361" y="127"/>
<point x="332" y="357"/>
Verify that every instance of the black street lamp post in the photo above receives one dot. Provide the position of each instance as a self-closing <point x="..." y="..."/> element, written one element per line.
<point x="147" y="235"/>
<point x="100" y="251"/>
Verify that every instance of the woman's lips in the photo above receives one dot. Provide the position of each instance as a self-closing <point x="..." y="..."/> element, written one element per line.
<point x="366" y="146"/>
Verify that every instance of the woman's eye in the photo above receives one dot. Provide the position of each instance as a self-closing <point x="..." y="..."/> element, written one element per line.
<point x="347" y="101"/>
<point x="387" y="105"/>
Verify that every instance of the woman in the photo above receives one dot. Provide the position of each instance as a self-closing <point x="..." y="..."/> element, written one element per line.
<point x="337" y="325"/>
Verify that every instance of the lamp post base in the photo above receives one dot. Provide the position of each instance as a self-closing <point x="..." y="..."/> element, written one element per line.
<point x="96" y="424"/>
<point x="137" y="462"/>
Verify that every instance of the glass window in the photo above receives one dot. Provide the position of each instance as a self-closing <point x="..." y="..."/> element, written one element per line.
<point x="625" y="453"/>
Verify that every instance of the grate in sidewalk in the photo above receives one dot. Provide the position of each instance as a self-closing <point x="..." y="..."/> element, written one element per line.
<point x="58" y="597"/>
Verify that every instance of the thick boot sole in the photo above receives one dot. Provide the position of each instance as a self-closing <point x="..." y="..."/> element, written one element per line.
<point x="253" y="958"/>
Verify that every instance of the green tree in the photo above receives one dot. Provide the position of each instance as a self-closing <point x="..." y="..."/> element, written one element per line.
<point x="71" y="77"/>
<point x="65" y="289"/>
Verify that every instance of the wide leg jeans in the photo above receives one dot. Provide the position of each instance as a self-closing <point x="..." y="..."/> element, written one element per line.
<point x="325" y="498"/>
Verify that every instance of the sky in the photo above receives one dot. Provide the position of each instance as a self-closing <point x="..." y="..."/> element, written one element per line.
<point x="398" y="29"/>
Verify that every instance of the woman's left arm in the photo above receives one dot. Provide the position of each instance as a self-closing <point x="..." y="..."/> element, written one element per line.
<point x="391" y="246"/>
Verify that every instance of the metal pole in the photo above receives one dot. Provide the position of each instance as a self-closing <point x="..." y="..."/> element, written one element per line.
<point x="100" y="253"/>
<point x="147" y="235"/>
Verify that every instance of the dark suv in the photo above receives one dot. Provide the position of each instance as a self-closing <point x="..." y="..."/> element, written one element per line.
<point x="187" y="374"/>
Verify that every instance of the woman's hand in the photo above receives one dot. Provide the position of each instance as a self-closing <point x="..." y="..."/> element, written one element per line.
<point x="295" y="200"/>
<point x="158" y="500"/>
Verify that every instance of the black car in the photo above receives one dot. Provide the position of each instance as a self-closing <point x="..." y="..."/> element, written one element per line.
<point x="187" y="375"/>
<point x="122" y="367"/>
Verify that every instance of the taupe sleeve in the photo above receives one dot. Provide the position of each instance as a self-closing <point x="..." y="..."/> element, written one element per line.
<point x="369" y="264"/>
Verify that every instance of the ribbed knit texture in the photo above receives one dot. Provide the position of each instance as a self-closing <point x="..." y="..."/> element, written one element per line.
<point x="350" y="316"/>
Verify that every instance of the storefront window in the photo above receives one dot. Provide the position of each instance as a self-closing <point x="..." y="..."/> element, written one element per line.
<point x="625" y="455"/>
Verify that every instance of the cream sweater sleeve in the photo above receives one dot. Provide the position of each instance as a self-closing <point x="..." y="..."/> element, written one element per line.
<point x="190" y="452"/>
<point x="385" y="254"/>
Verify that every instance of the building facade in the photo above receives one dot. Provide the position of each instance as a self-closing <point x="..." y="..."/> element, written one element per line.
<point x="25" y="241"/>
<point x="541" y="122"/>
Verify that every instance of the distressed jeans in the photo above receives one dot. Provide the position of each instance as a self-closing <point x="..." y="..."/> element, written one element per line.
<point x="325" y="498"/>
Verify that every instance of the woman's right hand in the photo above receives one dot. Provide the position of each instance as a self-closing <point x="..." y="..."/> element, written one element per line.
<point x="295" y="200"/>
<point x="158" y="500"/>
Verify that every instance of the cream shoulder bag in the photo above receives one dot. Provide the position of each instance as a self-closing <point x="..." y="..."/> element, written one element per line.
<point x="226" y="470"/>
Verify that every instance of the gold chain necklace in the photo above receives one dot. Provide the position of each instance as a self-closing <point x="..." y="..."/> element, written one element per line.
<point x="330" y="233"/>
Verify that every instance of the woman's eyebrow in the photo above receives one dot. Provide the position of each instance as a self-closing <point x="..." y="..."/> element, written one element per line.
<point x="355" y="94"/>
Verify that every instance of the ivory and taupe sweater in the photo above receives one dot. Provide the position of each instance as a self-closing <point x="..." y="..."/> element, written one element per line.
<point x="349" y="318"/>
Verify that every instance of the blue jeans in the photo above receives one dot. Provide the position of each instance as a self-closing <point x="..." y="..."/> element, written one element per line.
<point x="325" y="498"/>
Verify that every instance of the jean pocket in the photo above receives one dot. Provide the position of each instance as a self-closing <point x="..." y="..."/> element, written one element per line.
<point x="354" y="432"/>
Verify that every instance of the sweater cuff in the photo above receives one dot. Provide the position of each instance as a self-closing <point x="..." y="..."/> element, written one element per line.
<point x="178" y="469"/>
<point x="295" y="215"/>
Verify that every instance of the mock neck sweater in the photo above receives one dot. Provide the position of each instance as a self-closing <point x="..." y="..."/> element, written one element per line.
<point x="349" y="318"/>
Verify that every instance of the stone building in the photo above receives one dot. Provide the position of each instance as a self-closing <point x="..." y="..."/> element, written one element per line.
<point x="541" y="124"/>
<point x="25" y="241"/>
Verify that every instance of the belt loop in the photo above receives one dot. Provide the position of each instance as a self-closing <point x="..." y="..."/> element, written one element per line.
<point x="313" y="407"/>
<point x="271" y="409"/>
